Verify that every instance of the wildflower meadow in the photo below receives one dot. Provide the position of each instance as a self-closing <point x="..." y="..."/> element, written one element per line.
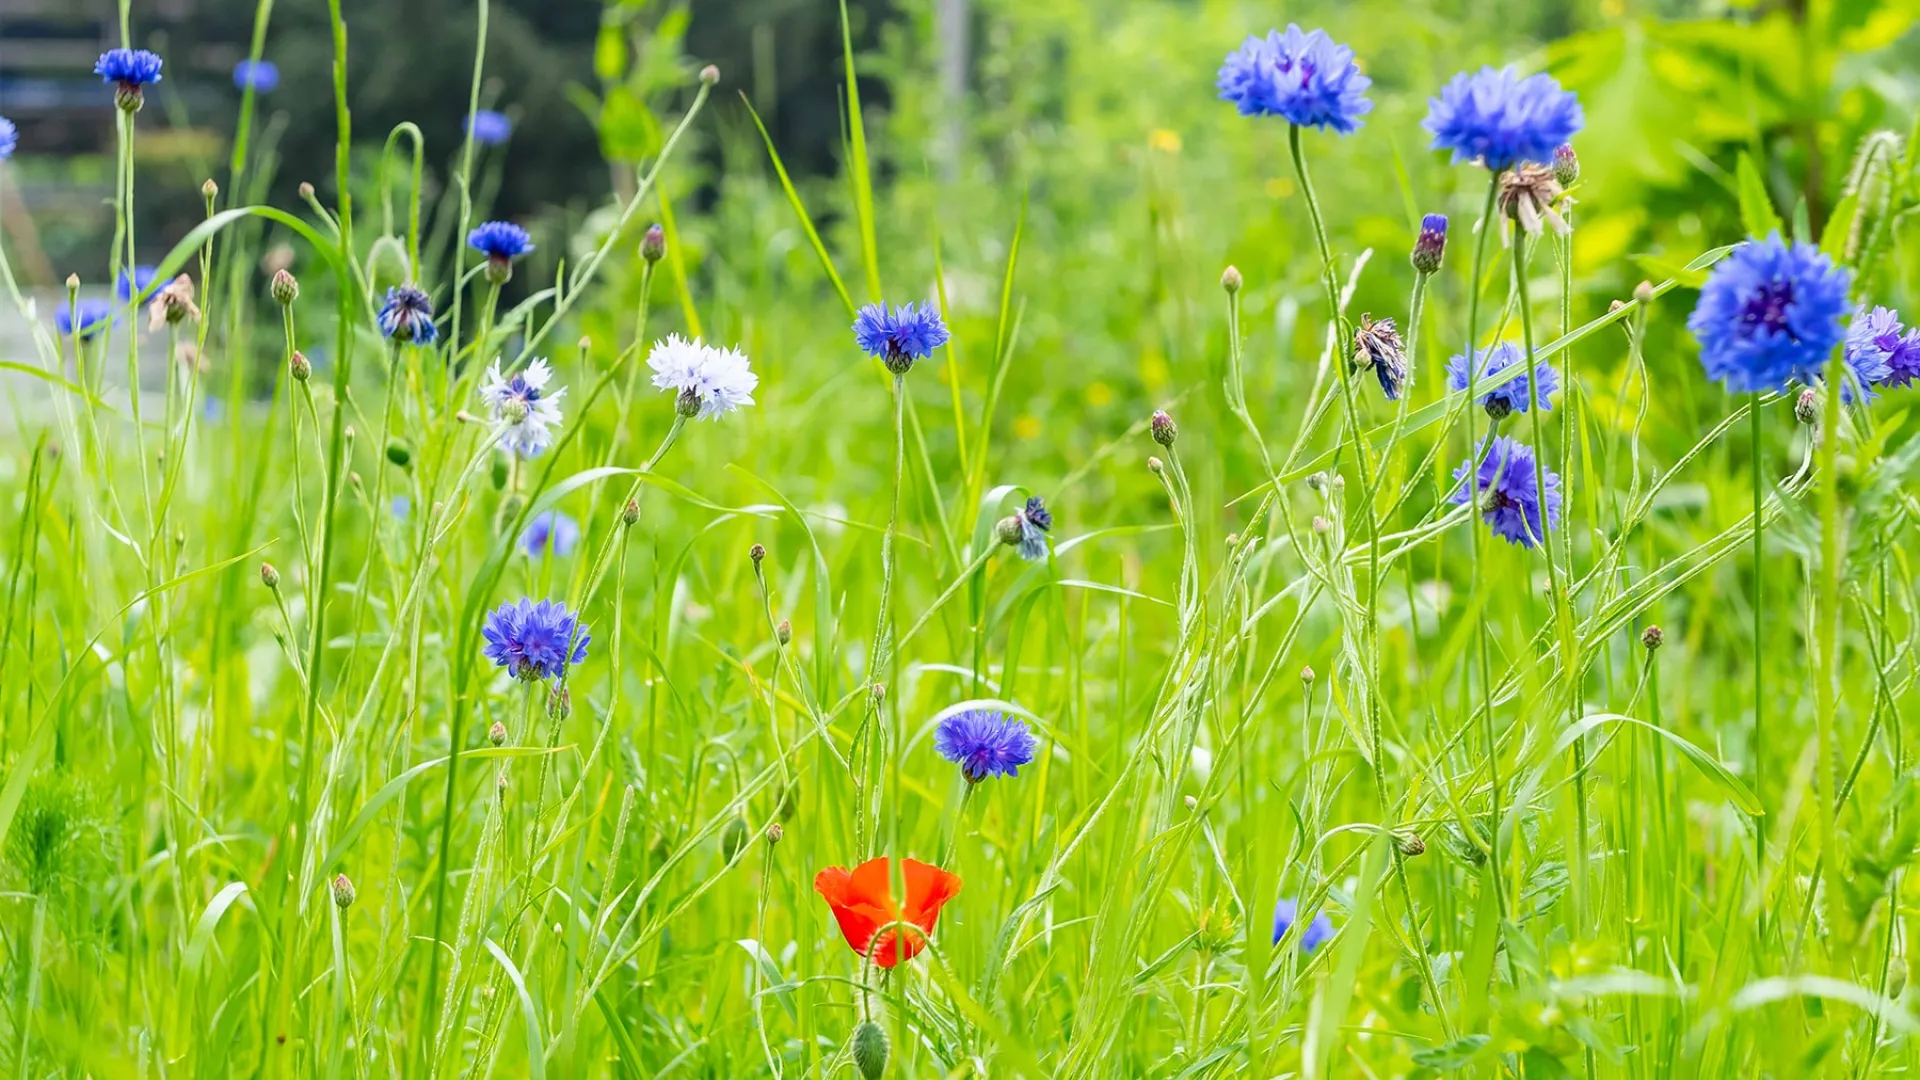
<point x="1294" y="544"/>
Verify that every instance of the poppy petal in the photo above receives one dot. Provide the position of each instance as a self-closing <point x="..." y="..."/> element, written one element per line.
<point x="928" y="889"/>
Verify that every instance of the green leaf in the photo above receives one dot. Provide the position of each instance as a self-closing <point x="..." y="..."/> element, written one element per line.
<point x="610" y="51"/>
<point x="800" y="211"/>
<point x="1756" y="206"/>
<point x="1708" y="765"/>
<point x="1679" y="274"/>
<point x="627" y="131"/>
<point x="536" y="1049"/>
<point x="777" y="983"/>
<point x="1833" y="238"/>
<point x="1454" y="1055"/>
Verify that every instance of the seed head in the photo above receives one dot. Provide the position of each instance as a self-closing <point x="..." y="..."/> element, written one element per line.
<point x="286" y="288"/>
<point x="342" y="892"/>
<point x="1230" y="280"/>
<point x="269" y="576"/>
<point x="1653" y="637"/>
<point x="1163" y="428"/>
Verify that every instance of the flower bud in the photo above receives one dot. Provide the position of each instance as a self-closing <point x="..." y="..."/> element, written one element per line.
<point x="1317" y="481"/>
<point x="343" y="893"/>
<point x="783" y="633"/>
<point x="1163" y="428"/>
<point x="879" y="692"/>
<point x="1430" y="246"/>
<point x="732" y="838"/>
<point x="285" y="288"/>
<point x="775" y="833"/>
<point x="1409" y="842"/>
<point x="1155" y="467"/>
<point x="269" y="576"/>
<point x="498" y="473"/>
<point x="1498" y="407"/>
<point x="1653" y="637"/>
<point x="757" y="553"/>
<point x="710" y="74"/>
<point x="73" y="282"/>
<point x="1566" y="165"/>
<point x="870" y="1050"/>
<point x="1230" y="280"/>
<point x="299" y="367"/>
<point x="630" y="513"/>
<point x="210" y="189"/>
<point x="688" y="404"/>
<point x="1643" y="292"/>
<point x="497" y="734"/>
<point x="306" y="191"/>
<point x="1008" y="530"/>
<point x="498" y="271"/>
<point x="1306" y="675"/>
<point x="653" y="246"/>
<point x="1321" y="526"/>
<point x="1806" y="408"/>
<point x="129" y="97"/>
<point x="398" y="453"/>
<point x="559" y="703"/>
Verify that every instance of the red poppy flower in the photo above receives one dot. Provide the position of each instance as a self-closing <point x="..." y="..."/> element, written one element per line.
<point x="862" y="902"/>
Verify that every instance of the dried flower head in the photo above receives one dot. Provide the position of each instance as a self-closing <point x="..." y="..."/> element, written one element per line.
<point x="1377" y="345"/>
<point x="1530" y="194"/>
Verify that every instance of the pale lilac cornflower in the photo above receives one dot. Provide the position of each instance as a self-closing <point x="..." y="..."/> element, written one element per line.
<point x="708" y="382"/>
<point x="524" y="411"/>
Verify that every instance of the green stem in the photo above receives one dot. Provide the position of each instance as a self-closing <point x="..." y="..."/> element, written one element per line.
<point x="1474" y="363"/>
<point x="1754" y="430"/>
<point x="1826" y="701"/>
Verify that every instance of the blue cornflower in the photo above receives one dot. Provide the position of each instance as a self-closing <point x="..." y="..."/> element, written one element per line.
<point x="262" y="75"/>
<point x="1770" y="313"/>
<point x="1502" y="119"/>
<point x="1286" y="913"/>
<point x="501" y="242"/>
<point x="408" y="316"/>
<point x="1506" y="494"/>
<point x="1873" y="341"/>
<point x="9" y="138"/>
<point x="899" y="336"/>
<point x="1431" y="245"/>
<point x="1300" y="75"/>
<point x="401" y="508"/>
<point x="984" y="743"/>
<point x="130" y="71"/>
<point x="126" y="284"/>
<point x="530" y="639"/>
<point x="1027" y="528"/>
<point x="1510" y="396"/>
<point x="489" y="128"/>
<point x="94" y="316"/>
<point x="551" y="531"/>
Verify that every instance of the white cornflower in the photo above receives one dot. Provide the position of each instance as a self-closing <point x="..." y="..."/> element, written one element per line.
<point x="522" y="406"/>
<point x="710" y="382"/>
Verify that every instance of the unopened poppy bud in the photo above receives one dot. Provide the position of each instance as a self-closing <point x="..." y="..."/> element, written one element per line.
<point x="1806" y="408"/>
<point x="1643" y="292"/>
<point x="1155" y="466"/>
<point x="299" y="367"/>
<point x="497" y="734"/>
<point x="757" y="553"/>
<point x="1230" y="280"/>
<point x="733" y="838"/>
<point x="1566" y="165"/>
<point x="870" y="1050"/>
<point x="1008" y="530"/>
<point x="498" y="474"/>
<point x="630" y="513"/>
<point x="398" y="453"/>
<point x="269" y="576"/>
<point x="710" y="74"/>
<point x="1430" y="246"/>
<point x="775" y="833"/>
<point x="653" y="246"/>
<point x="1163" y="428"/>
<point x="783" y="633"/>
<point x="1653" y="637"/>
<point x="343" y="893"/>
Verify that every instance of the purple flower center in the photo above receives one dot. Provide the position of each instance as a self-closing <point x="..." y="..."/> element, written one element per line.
<point x="1766" y="309"/>
<point x="518" y="388"/>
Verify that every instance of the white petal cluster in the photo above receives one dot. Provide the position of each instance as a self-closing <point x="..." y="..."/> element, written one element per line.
<point x="719" y="379"/>
<point x="524" y="410"/>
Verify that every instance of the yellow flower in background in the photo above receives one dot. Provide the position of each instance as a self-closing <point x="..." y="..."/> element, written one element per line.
<point x="1280" y="187"/>
<point x="1027" y="426"/>
<point x="1099" y="393"/>
<point x="1165" y="140"/>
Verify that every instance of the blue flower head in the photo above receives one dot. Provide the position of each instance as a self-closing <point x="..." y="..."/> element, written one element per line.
<point x="1874" y="341"/>
<point x="489" y="128"/>
<point x="129" y="71"/>
<point x="262" y="76"/>
<point x="1304" y="77"/>
<point x="1506" y="494"/>
<point x="94" y="316"/>
<point x="408" y="316"/>
<point x="1501" y="119"/>
<point x="552" y="531"/>
<point x="899" y="336"/>
<point x="139" y="280"/>
<point x="984" y="743"/>
<point x="1510" y="396"/>
<point x="9" y="138"/>
<point x="531" y="639"/>
<point x="401" y="507"/>
<point x="1770" y="313"/>
<point x="1431" y="245"/>
<point x="1286" y="913"/>
<point x="500" y="240"/>
<point x="1027" y="528"/>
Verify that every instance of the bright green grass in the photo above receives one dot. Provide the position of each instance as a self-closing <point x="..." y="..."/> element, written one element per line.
<point x="1544" y="875"/>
